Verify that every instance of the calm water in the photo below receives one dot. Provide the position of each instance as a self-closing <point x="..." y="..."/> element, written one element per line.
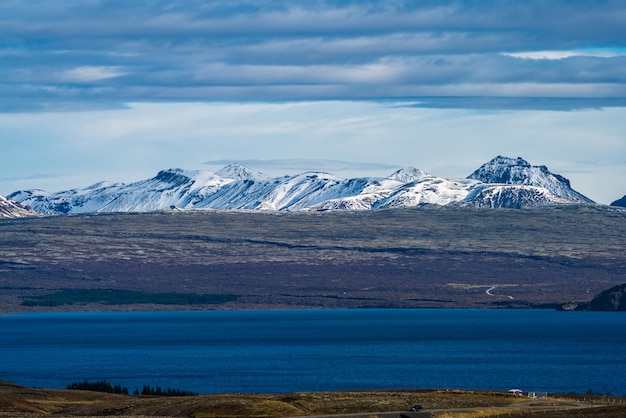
<point x="288" y="351"/>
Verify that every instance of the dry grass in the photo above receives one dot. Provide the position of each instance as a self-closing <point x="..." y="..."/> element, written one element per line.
<point x="26" y="402"/>
<point x="477" y="413"/>
<point x="250" y="408"/>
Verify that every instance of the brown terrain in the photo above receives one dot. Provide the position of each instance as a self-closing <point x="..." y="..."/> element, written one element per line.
<point x="424" y="257"/>
<point x="17" y="401"/>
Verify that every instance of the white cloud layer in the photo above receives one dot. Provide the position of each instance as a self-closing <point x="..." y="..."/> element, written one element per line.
<point x="557" y="55"/>
<point x="86" y="74"/>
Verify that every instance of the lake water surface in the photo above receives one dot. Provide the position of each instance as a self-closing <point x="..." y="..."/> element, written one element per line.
<point x="319" y="350"/>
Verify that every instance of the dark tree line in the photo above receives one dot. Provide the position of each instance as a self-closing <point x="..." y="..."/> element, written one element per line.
<point x="106" y="387"/>
<point x="102" y="386"/>
<point x="157" y="391"/>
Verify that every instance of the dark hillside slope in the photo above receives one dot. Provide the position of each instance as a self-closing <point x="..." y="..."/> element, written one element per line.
<point x="613" y="299"/>
<point x="620" y="202"/>
<point x="427" y="257"/>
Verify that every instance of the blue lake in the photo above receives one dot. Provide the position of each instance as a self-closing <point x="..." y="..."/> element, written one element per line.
<point x="319" y="350"/>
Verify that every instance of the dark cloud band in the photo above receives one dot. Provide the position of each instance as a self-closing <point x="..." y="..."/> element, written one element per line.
<point x="77" y="55"/>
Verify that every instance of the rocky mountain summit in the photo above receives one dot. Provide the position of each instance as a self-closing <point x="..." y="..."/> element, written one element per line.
<point x="500" y="183"/>
<point x="516" y="171"/>
<point x="238" y="171"/>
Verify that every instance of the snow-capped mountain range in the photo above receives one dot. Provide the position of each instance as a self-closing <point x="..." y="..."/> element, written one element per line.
<point x="502" y="182"/>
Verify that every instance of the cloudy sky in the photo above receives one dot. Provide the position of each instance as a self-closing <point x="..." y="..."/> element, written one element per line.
<point x="116" y="90"/>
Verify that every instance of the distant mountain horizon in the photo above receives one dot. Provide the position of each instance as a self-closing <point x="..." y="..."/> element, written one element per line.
<point x="502" y="182"/>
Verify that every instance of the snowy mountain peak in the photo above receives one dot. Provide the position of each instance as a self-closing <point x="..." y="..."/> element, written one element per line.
<point x="517" y="171"/>
<point x="503" y="170"/>
<point x="237" y="171"/>
<point x="408" y="175"/>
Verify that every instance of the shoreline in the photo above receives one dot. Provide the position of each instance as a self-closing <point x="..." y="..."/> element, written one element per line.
<point x="279" y="309"/>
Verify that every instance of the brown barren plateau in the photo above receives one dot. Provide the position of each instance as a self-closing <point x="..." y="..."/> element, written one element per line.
<point x="422" y="257"/>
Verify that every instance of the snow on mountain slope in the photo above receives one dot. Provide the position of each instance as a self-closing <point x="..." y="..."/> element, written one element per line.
<point x="243" y="194"/>
<point x="358" y="202"/>
<point x="174" y="187"/>
<point x="359" y="194"/>
<point x="502" y="182"/>
<point x="41" y="201"/>
<point x="505" y="170"/>
<point x="512" y="196"/>
<point x="9" y="209"/>
<point x="285" y="193"/>
<point x="296" y="191"/>
<point x="408" y="174"/>
<point x="310" y="189"/>
<point x="429" y="190"/>
<point x="237" y="171"/>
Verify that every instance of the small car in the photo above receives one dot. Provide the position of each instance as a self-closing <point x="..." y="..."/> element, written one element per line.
<point x="416" y="408"/>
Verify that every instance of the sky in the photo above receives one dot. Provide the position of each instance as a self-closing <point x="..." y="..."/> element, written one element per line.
<point x="94" y="90"/>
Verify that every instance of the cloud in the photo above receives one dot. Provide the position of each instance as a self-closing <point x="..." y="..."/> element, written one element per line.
<point x="36" y="176"/>
<point x="557" y="55"/>
<point x="515" y="103"/>
<point x="86" y="74"/>
<point x="61" y="54"/>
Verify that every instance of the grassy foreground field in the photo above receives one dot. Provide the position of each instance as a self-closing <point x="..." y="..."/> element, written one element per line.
<point x="422" y="257"/>
<point x="17" y="401"/>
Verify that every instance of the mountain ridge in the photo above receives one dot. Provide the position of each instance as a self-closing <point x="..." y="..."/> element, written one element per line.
<point x="500" y="183"/>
